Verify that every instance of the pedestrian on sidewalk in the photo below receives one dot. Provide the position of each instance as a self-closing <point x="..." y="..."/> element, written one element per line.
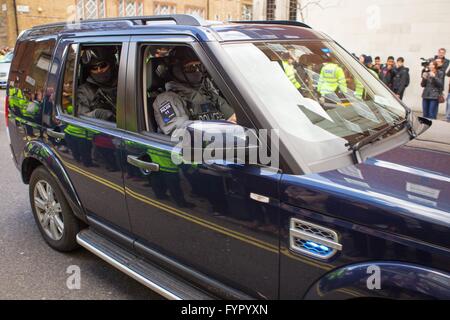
<point x="433" y="87"/>
<point x="387" y="73"/>
<point x="445" y="61"/>
<point x="401" y="78"/>
<point x="447" y="110"/>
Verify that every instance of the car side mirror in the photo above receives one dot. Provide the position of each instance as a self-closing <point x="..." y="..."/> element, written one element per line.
<point x="209" y="141"/>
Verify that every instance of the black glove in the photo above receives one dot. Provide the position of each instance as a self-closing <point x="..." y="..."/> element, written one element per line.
<point x="103" y="114"/>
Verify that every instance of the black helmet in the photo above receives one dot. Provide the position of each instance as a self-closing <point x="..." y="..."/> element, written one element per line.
<point x="93" y="56"/>
<point x="187" y="68"/>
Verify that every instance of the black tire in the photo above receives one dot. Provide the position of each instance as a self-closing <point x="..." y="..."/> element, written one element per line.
<point x="71" y="224"/>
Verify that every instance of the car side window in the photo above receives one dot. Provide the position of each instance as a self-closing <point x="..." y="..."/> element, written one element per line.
<point x="92" y="91"/>
<point x="28" y="76"/>
<point x="67" y="96"/>
<point x="178" y="88"/>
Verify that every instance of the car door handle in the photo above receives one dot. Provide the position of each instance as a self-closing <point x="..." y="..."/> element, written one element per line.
<point x="55" y="134"/>
<point x="150" y="166"/>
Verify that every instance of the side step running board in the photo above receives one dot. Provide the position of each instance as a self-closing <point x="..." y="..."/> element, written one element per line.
<point x="147" y="274"/>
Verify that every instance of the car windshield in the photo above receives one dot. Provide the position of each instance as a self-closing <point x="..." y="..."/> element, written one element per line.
<point x="7" y="58"/>
<point x="315" y="92"/>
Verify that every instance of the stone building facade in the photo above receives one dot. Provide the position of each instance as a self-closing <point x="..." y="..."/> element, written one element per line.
<point x="18" y="15"/>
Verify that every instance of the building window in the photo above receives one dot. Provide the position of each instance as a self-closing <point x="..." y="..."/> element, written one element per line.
<point x="293" y="10"/>
<point x="129" y="8"/>
<point x="196" y="11"/>
<point x="165" y="8"/>
<point x="90" y="9"/>
<point x="247" y="12"/>
<point x="270" y="13"/>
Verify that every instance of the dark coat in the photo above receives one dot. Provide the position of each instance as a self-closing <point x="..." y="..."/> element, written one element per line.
<point x="387" y="76"/>
<point x="433" y="86"/>
<point x="401" y="80"/>
<point x="445" y="65"/>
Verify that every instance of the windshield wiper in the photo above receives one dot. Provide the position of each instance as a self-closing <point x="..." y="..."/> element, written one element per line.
<point x="373" y="137"/>
<point x="409" y="118"/>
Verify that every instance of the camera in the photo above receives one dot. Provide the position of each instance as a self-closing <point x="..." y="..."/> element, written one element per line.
<point x="425" y="62"/>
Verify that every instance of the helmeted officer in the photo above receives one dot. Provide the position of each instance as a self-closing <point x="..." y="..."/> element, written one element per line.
<point x="331" y="78"/>
<point x="192" y="96"/>
<point x="97" y="97"/>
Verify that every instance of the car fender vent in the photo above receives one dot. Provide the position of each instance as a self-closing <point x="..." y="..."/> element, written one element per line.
<point x="313" y="240"/>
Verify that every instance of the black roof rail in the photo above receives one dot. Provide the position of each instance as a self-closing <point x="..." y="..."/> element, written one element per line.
<point x="283" y="22"/>
<point x="179" y="19"/>
<point x="70" y="23"/>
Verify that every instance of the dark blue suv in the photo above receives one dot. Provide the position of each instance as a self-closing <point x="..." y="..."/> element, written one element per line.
<point x="354" y="202"/>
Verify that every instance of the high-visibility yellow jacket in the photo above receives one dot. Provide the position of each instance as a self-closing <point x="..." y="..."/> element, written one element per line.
<point x="359" y="88"/>
<point x="289" y="70"/>
<point x="76" y="131"/>
<point x="163" y="158"/>
<point x="331" y="77"/>
<point x="16" y="98"/>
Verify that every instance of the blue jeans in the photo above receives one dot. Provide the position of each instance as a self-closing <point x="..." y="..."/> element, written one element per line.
<point x="447" y="110"/>
<point x="430" y="108"/>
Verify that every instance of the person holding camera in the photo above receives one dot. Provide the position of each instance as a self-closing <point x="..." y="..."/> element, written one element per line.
<point x="447" y="109"/>
<point x="433" y="87"/>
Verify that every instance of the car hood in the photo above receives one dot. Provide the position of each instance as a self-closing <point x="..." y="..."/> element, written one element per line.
<point x="405" y="190"/>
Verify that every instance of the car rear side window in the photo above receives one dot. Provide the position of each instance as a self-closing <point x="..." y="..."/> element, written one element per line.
<point x="89" y="86"/>
<point x="29" y="71"/>
<point x="67" y="102"/>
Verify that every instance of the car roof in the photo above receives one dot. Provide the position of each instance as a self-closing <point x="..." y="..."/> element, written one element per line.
<point x="184" y="24"/>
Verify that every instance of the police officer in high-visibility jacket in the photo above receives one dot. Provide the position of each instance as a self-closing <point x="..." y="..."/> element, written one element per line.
<point x="332" y="77"/>
<point x="17" y="100"/>
<point x="79" y="141"/>
<point x="359" y="87"/>
<point x="289" y="70"/>
<point x="167" y="178"/>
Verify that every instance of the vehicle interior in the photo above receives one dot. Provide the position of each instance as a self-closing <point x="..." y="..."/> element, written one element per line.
<point x="159" y="64"/>
<point x="105" y="99"/>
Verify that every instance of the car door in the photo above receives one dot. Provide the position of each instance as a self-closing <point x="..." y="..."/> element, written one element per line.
<point x="200" y="216"/>
<point x="88" y="148"/>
